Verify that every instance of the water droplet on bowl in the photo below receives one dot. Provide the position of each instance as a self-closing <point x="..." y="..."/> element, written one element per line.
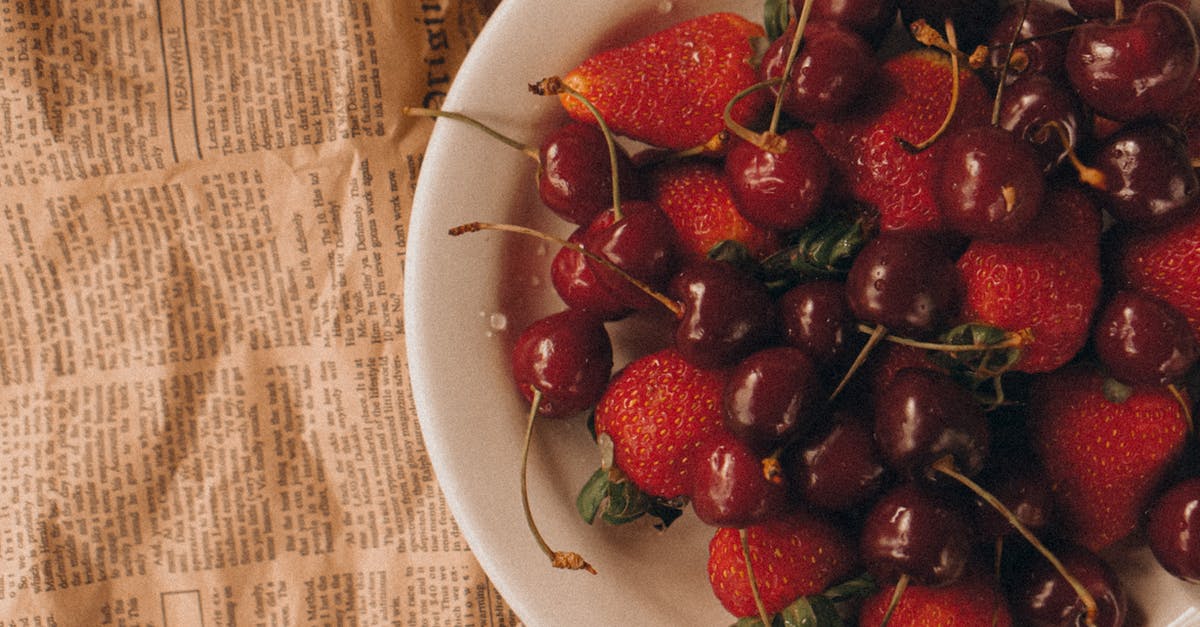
<point x="665" y="6"/>
<point x="498" y="322"/>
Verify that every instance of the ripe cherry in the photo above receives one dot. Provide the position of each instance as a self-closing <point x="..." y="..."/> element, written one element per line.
<point x="1149" y="179"/>
<point x="914" y="532"/>
<point x="726" y="314"/>
<point x="1141" y="339"/>
<point x="923" y="416"/>
<point x="642" y="243"/>
<point x="1136" y="66"/>
<point x="1020" y="484"/>
<point x="1107" y="8"/>
<point x="771" y="396"/>
<point x="575" y="180"/>
<point x="1033" y="102"/>
<point x="780" y="186"/>
<point x="904" y="283"/>
<point x="577" y="283"/>
<point x="1043" y="35"/>
<point x="869" y="18"/>
<point x="817" y="319"/>
<point x="566" y="357"/>
<point x="988" y="183"/>
<point x="833" y="69"/>
<point x="1173" y="530"/>
<point x="729" y="488"/>
<point x="1042" y="598"/>
<point x="839" y="468"/>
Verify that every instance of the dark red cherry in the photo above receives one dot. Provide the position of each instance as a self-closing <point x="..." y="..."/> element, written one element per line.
<point x="988" y="183"/>
<point x="1088" y="9"/>
<point x="905" y="283"/>
<point x="912" y="530"/>
<point x="642" y="243"/>
<point x="727" y="314"/>
<point x="729" y="488"/>
<point x="817" y="319"/>
<point x="924" y="415"/>
<point x="1173" y="530"/>
<point x="833" y="68"/>
<point x="869" y="18"/>
<point x="1143" y="340"/>
<point x="577" y="283"/>
<point x="779" y="187"/>
<point x="567" y="356"/>
<point x="1020" y="484"/>
<point x="1150" y="181"/>
<point x="1040" y="596"/>
<point x="839" y="468"/>
<point x="772" y="395"/>
<point x="1135" y="67"/>
<point x="575" y="178"/>
<point x="1032" y="102"/>
<point x="1042" y="39"/>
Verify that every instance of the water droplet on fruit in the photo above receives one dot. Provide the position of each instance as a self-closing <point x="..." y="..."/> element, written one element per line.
<point x="665" y="6"/>
<point x="498" y="321"/>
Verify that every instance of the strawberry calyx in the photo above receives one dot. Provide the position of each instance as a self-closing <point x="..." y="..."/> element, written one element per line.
<point x="818" y="610"/>
<point x="611" y="496"/>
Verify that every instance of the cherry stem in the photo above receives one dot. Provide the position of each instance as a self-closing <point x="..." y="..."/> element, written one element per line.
<point x="1087" y="174"/>
<point x="758" y="602"/>
<point x="952" y="38"/>
<point x="528" y="150"/>
<point x="1183" y="404"/>
<point x="767" y="141"/>
<point x="1118" y="10"/>
<point x="793" y="52"/>
<point x="554" y="85"/>
<point x="1008" y="57"/>
<point x="1012" y="339"/>
<point x="946" y="466"/>
<point x="877" y="335"/>
<point x="559" y="559"/>
<point x="473" y="227"/>
<point x="901" y="586"/>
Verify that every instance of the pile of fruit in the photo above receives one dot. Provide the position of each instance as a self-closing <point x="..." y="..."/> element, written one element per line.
<point x="930" y="316"/>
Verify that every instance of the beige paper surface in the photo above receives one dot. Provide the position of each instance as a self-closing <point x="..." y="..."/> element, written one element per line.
<point x="204" y="411"/>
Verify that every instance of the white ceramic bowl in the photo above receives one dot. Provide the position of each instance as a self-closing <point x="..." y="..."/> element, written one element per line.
<point x="466" y="298"/>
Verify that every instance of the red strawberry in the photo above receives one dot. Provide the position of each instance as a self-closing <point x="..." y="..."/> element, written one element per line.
<point x="1104" y="457"/>
<point x="972" y="601"/>
<point x="670" y="89"/>
<point x="1047" y="282"/>
<point x="909" y="102"/>
<point x="699" y="201"/>
<point x="800" y="555"/>
<point x="1166" y="264"/>
<point x="657" y="411"/>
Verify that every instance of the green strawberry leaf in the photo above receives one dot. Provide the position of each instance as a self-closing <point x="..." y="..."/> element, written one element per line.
<point x="775" y="17"/>
<point x="824" y="249"/>
<point x="860" y="587"/>
<point x="616" y="500"/>
<point x="736" y="254"/>
<point x="811" y="611"/>
<point x="987" y="353"/>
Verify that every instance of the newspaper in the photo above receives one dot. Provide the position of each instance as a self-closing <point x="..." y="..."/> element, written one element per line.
<point x="204" y="406"/>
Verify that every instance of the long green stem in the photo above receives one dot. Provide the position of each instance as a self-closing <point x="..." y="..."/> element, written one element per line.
<point x="529" y="151"/>
<point x="568" y="560"/>
<point x="744" y="536"/>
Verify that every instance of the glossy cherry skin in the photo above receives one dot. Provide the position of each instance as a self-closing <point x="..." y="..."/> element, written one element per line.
<point x="1022" y="487"/>
<point x="1143" y="340"/>
<point x="817" y="319"/>
<point x="1045" y="29"/>
<point x="988" y="183"/>
<point x="1040" y="597"/>
<point x="1173" y="530"/>
<point x="1136" y="67"/>
<point x="575" y="178"/>
<point x="869" y="18"/>
<point x="1104" y="8"/>
<point x="924" y="415"/>
<point x="577" y="283"/>
<point x="1035" y="100"/>
<point x="839" y="468"/>
<point x="729" y="488"/>
<point x="727" y="314"/>
<point x="914" y="531"/>
<point x="1149" y="178"/>
<point x="833" y="69"/>
<point x="642" y="243"/>
<point x="779" y="188"/>
<point x="568" y="357"/>
<point x="772" y="395"/>
<point x="906" y="283"/>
